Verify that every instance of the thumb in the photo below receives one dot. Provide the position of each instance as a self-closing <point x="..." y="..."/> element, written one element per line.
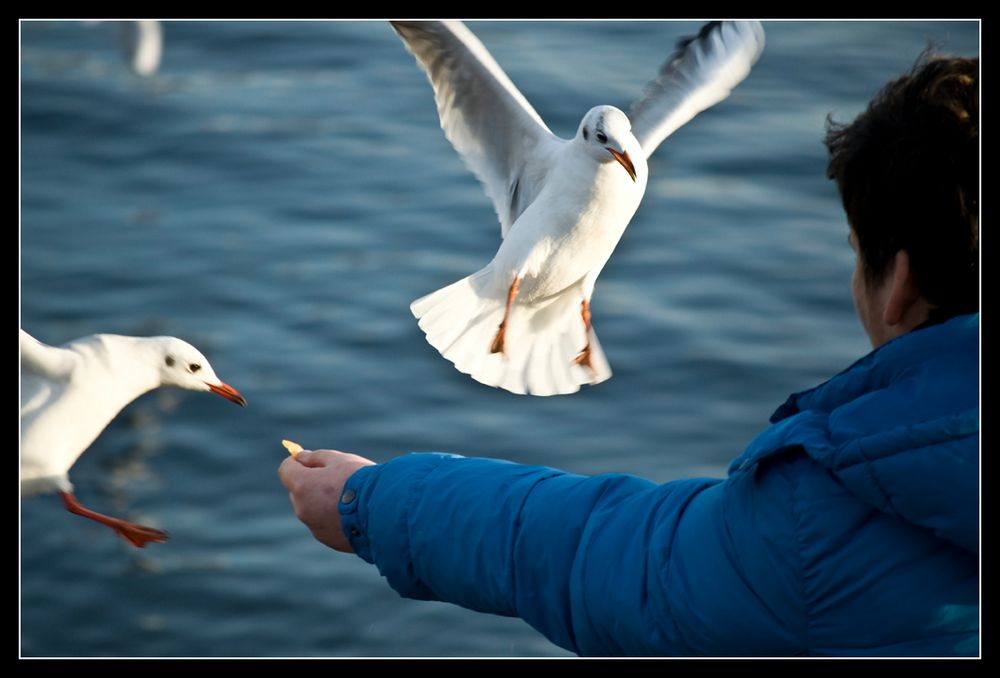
<point x="310" y="459"/>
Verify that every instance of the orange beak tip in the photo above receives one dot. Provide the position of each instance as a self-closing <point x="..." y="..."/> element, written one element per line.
<point x="227" y="392"/>
<point x="624" y="161"/>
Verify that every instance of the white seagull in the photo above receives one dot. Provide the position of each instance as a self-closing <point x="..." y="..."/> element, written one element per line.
<point x="523" y="322"/>
<point x="70" y="393"/>
<point x="142" y="45"/>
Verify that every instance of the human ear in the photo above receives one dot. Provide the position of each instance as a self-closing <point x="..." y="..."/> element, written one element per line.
<point x="903" y="291"/>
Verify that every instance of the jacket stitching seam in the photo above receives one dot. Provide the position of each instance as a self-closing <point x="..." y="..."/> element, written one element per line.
<point x="410" y="503"/>
<point x="799" y="552"/>
<point x="516" y="533"/>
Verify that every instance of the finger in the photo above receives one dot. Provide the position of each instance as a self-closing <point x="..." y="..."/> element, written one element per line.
<point x="312" y="458"/>
<point x="290" y="471"/>
<point x="338" y="457"/>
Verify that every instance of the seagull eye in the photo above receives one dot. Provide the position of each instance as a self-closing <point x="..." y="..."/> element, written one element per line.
<point x="169" y="360"/>
<point x="194" y="367"/>
<point x="602" y="137"/>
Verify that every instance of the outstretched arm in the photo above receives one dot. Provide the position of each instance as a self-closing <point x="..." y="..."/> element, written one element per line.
<point x="602" y="565"/>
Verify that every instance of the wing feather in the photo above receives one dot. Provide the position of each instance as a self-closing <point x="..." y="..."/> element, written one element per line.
<point x="488" y="121"/>
<point x="700" y="73"/>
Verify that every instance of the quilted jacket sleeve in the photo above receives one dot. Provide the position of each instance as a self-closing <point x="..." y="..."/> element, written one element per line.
<point x="602" y="565"/>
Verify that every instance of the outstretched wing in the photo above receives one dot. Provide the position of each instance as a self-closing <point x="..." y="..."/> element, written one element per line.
<point x="701" y="73"/>
<point x="38" y="359"/>
<point x="44" y="372"/>
<point x="488" y="121"/>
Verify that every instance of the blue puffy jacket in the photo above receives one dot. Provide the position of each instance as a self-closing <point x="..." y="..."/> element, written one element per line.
<point x="850" y="526"/>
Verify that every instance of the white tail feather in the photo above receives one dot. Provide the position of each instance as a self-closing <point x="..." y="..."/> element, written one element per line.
<point x="542" y="339"/>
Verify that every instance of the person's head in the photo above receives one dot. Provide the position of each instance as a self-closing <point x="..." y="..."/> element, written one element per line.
<point x="908" y="173"/>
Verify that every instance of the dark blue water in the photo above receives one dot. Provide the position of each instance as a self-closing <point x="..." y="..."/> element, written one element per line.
<point x="278" y="194"/>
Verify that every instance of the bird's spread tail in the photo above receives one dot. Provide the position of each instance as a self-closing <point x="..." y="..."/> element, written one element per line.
<point x="541" y="345"/>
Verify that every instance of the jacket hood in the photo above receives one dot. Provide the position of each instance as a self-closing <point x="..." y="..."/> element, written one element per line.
<point x="899" y="428"/>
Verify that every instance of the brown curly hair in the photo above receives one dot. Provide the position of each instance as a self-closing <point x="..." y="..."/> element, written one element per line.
<point x="908" y="173"/>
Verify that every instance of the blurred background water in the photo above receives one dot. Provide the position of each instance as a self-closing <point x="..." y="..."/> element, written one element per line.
<point x="277" y="194"/>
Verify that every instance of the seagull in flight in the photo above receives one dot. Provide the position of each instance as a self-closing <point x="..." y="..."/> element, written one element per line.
<point x="142" y="45"/>
<point x="523" y="323"/>
<point x="71" y="393"/>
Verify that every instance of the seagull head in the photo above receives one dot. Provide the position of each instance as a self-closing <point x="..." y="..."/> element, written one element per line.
<point x="182" y="365"/>
<point x="606" y="133"/>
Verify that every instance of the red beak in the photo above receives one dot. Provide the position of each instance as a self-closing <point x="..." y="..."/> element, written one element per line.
<point x="227" y="392"/>
<point x="625" y="161"/>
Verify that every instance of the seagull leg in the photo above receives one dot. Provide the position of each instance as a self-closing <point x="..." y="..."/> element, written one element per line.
<point x="498" y="340"/>
<point x="137" y="535"/>
<point x="583" y="359"/>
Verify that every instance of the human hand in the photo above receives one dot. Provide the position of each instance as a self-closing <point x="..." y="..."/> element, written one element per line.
<point x="315" y="480"/>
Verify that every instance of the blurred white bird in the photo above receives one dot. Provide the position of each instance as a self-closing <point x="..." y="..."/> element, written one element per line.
<point x="142" y="45"/>
<point x="523" y="322"/>
<point x="69" y="394"/>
